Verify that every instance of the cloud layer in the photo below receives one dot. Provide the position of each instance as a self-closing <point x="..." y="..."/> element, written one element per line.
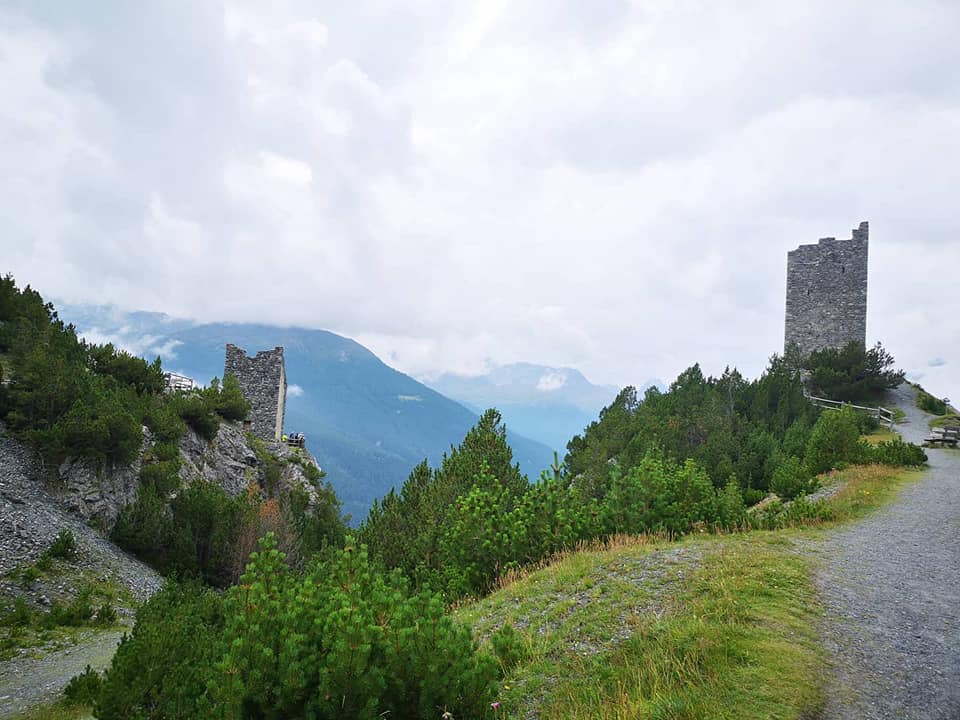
<point x="609" y="185"/>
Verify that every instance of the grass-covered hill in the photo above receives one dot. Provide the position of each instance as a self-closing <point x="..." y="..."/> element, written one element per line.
<point x="714" y="626"/>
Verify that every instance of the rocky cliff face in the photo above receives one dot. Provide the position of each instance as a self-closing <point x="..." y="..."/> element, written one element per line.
<point x="235" y="462"/>
<point x="231" y="460"/>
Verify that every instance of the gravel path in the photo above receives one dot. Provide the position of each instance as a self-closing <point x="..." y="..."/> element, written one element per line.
<point x="891" y="587"/>
<point x="25" y="683"/>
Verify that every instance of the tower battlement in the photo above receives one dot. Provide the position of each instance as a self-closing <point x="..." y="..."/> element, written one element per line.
<point x="827" y="293"/>
<point x="263" y="380"/>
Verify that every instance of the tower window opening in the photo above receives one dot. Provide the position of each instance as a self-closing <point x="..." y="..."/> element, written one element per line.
<point x="843" y="269"/>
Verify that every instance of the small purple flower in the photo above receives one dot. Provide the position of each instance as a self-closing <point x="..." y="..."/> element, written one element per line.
<point x="495" y="705"/>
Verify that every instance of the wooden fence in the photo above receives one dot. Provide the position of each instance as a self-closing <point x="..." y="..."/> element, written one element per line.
<point x="882" y="414"/>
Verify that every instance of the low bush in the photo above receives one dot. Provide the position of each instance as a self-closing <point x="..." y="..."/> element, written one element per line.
<point x="344" y="641"/>
<point x="77" y="613"/>
<point x="19" y="616"/>
<point x="834" y="441"/>
<point x="790" y="479"/>
<point x="64" y="546"/>
<point x="106" y="615"/>
<point x="83" y="689"/>
<point x="897" y="453"/>
<point x="162" y="668"/>
<point x="508" y="646"/>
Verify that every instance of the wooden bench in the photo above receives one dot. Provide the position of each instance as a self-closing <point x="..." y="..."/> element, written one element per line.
<point x="944" y="436"/>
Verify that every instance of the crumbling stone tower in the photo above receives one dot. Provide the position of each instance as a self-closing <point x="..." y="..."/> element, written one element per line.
<point x="263" y="379"/>
<point x="827" y="293"/>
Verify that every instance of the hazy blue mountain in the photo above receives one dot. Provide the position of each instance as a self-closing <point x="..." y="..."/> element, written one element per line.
<point x="367" y="424"/>
<point x="548" y="404"/>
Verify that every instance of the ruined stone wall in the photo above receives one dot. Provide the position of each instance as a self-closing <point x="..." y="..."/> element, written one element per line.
<point x="827" y="293"/>
<point x="263" y="380"/>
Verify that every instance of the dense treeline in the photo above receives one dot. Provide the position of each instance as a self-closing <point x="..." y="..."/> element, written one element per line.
<point x="694" y="456"/>
<point x="729" y="426"/>
<point x="69" y="397"/>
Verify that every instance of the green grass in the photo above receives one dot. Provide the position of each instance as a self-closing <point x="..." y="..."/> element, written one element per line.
<point x="36" y="637"/>
<point x="865" y="489"/>
<point x="57" y="711"/>
<point x="717" y="627"/>
<point x="945" y="420"/>
<point x="881" y="434"/>
<point x="712" y="626"/>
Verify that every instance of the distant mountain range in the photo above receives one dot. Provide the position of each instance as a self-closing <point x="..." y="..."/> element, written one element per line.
<point x="548" y="404"/>
<point x="367" y="424"/>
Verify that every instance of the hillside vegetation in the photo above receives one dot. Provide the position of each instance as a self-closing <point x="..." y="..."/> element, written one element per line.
<point x="640" y="627"/>
<point x="362" y="627"/>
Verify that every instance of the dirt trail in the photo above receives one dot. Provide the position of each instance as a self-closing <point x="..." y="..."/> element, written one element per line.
<point x="27" y="682"/>
<point x="891" y="586"/>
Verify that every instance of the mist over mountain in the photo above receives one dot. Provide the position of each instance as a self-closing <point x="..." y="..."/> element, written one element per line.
<point x="367" y="424"/>
<point x="548" y="404"/>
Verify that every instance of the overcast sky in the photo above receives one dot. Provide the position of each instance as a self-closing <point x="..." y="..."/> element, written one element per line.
<point x="605" y="184"/>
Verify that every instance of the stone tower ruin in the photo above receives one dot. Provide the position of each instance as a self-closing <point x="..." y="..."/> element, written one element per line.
<point x="263" y="379"/>
<point x="827" y="293"/>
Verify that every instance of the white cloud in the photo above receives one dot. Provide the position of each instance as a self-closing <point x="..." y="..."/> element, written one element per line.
<point x="127" y="339"/>
<point x="294" y="390"/>
<point x="551" y="381"/>
<point x="607" y="185"/>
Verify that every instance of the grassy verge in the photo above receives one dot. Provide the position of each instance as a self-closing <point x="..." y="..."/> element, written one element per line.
<point x="57" y="711"/>
<point x="864" y="488"/>
<point x="880" y="435"/>
<point x="945" y="420"/>
<point x="718" y="626"/>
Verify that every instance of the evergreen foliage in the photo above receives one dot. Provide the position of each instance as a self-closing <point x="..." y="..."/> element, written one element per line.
<point x="729" y="426"/>
<point x="162" y="668"/>
<point x="342" y="640"/>
<point x="834" y="441"/>
<point x="852" y="373"/>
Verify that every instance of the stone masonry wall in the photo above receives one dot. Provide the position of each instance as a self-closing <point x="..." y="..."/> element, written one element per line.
<point x="827" y="293"/>
<point x="263" y="380"/>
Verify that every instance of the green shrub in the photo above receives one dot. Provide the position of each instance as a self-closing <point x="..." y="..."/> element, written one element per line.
<point x="77" y="613"/>
<point x="790" y="479"/>
<point x="834" y="441"/>
<point x="106" y="615"/>
<point x="344" y="641"/>
<point x="28" y="575"/>
<point x="896" y="452"/>
<point x="658" y="496"/>
<point x="731" y="508"/>
<point x="163" y="476"/>
<point x="852" y="373"/>
<point x="230" y="402"/>
<point x="508" y="646"/>
<point x="194" y="410"/>
<point x="19" y="616"/>
<point x="162" y="668"/>
<point x="83" y="689"/>
<point x="801" y="511"/>
<point x="64" y="546"/>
